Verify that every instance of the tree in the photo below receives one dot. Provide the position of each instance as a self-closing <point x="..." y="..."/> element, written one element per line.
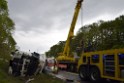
<point x="7" y="42"/>
<point x="56" y="49"/>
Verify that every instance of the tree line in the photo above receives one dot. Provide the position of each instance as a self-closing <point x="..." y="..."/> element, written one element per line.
<point x="7" y="42"/>
<point x="102" y="35"/>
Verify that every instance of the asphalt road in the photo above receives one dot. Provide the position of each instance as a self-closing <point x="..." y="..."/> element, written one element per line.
<point x="69" y="77"/>
<point x="73" y="78"/>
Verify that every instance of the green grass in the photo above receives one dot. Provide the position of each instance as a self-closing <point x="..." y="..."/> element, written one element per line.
<point x="41" y="78"/>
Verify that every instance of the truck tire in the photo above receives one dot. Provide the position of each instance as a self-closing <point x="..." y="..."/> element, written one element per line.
<point x="82" y="73"/>
<point x="95" y="74"/>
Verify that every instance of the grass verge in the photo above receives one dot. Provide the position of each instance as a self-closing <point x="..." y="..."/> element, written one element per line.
<point x="41" y="78"/>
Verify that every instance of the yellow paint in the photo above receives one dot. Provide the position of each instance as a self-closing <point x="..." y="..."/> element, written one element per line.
<point x="117" y="67"/>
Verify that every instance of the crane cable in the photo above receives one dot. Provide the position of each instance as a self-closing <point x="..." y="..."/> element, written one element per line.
<point x="82" y="15"/>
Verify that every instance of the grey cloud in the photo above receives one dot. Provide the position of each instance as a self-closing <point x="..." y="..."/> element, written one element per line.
<point x="39" y="14"/>
<point x="32" y="15"/>
<point x="94" y="8"/>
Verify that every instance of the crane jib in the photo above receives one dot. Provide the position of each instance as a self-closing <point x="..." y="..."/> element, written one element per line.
<point x="72" y="27"/>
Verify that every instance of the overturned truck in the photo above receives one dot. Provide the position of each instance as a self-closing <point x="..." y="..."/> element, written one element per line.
<point x="26" y="64"/>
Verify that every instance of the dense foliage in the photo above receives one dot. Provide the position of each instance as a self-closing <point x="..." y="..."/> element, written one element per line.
<point x="55" y="49"/>
<point x="97" y="36"/>
<point x="7" y="42"/>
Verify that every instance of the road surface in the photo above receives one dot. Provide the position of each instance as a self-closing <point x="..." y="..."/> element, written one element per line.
<point x="72" y="77"/>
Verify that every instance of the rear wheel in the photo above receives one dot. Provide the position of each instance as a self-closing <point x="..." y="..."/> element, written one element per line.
<point x="95" y="75"/>
<point x="82" y="73"/>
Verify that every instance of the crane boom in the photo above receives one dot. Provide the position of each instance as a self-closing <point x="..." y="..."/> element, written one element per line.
<point x="71" y="31"/>
<point x="65" y="55"/>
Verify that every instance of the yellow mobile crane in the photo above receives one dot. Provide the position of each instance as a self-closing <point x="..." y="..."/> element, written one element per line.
<point x="66" y="58"/>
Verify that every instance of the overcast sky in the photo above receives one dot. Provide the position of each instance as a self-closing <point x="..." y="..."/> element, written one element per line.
<point x="41" y="24"/>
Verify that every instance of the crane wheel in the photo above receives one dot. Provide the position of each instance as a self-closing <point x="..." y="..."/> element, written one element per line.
<point x="95" y="74"/>
<point x="82" y="73"/>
